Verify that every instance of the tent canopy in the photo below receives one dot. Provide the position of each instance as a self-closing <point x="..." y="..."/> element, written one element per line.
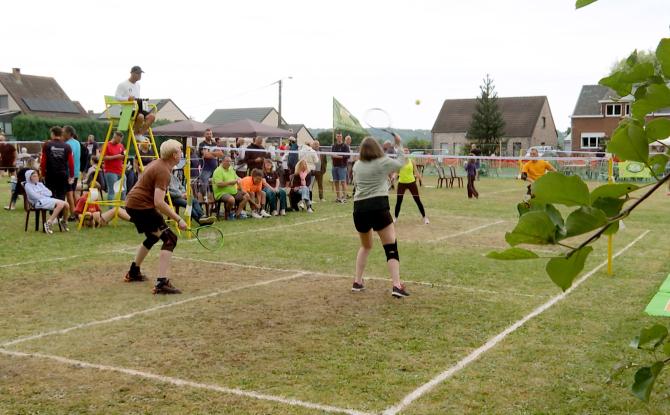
<point x="186" y="128"/>
<point x="249" y="128"/>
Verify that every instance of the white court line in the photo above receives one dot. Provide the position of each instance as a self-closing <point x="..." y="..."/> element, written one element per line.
<point x="147" y="310"/>
<point x="504" y="191"/>
<point x="64" y="258"/>
<point x="186" y="383"/>
<point x="453" y="235"/>
<point x="475" y="354"/>
<point x="326" y="274"/>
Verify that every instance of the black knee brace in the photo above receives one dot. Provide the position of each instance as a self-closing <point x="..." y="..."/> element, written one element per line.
<point x="150" y="241"/>
<point x="391" y="251"/>
<point x="169" y="239"/>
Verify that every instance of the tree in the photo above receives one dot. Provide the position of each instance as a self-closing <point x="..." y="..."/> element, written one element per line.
<point x="599" y="211"/>
<point x="487" y="127"/>
<point x="326" y="137"/>
<point x="418" y="144"/>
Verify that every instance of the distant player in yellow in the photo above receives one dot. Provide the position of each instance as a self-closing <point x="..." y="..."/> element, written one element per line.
<point x="534" y="169"/>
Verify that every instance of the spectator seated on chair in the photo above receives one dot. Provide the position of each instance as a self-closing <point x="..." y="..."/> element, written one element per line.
<point x="253" y="186"/>
<point x="226" y="190"/>
<point x="273" y="190"/>
<point x="178" y="195"/>
<point x="40" y="197"/>
<point x="94" y="218"/>
<point x="300" y="185"/>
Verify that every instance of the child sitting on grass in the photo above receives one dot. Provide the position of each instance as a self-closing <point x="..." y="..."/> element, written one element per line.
<point x="94" y="218"/>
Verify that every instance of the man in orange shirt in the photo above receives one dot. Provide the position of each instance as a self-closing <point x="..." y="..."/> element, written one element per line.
<point x="534" y="169"/>
<point x="253" y="185"/>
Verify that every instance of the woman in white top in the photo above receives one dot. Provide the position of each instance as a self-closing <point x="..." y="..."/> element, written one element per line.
<point x="372" y="212"/>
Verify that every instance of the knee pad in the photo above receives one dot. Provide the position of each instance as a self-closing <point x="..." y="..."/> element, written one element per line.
<point x="150" y="241"/>
<point x="391" y="251"/>
<point x="169" y="239"/>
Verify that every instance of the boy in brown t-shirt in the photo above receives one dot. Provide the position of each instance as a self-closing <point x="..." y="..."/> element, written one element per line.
<point x="146" y="206"/>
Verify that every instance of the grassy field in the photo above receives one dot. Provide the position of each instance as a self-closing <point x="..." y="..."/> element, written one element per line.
<point x="268" y="325"/>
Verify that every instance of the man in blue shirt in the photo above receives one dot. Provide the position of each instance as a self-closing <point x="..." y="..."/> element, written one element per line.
<point x="209" y="153"/>
<point x="70" y="138"/>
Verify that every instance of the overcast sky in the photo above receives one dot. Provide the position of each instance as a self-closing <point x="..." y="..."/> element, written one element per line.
<point x="208" y="55"/>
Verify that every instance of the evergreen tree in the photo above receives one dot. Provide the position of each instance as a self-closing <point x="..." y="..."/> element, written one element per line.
<point x="487" y="127"/>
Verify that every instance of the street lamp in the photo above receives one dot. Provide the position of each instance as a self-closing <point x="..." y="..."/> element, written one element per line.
<point x="279" y="82"/>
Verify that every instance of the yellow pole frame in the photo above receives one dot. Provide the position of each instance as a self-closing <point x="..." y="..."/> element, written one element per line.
<point x="187" y="179"/>
<point x="610" y="238"/>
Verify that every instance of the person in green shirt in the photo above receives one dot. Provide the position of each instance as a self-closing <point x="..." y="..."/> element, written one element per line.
<point x="225" y="184"/>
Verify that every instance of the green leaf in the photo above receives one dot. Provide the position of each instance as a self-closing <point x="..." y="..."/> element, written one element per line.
<point x="558" y="188"/>
<point x="658" y="129"/>
<point x="666" y="349"/>
<point x="657" y="97"/>
<point x="629" y="145"/>
<point x="513" y="254"/>
<point x="658" y="163"/>
<point x="663" y="56"/>
<point x="612" y="190"/>
<point x="654" y="335"/>
<point x="563" y="270"/>
<point x="584" y="219"/>
<point x="611" y="207"/>
<point x="644" y="380"/>
<point x="582" y="3"/>
<point x="534" y="227"/>
<point x="633" y="73"/>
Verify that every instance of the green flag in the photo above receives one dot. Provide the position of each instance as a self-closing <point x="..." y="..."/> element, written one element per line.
<point x="342" y="119"/>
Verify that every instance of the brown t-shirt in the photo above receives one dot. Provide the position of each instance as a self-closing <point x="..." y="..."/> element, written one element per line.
<point x="156" y="175"/>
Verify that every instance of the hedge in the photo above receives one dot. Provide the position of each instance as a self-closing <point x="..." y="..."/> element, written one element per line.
<point x="32" y="128"/>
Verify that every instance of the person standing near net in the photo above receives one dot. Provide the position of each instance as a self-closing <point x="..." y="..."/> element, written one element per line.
<point x="534" y="169"/>
<point x="407" y="181"/>
<point x="471" y="170"/>
<point x="372" y="211"/>
<point x="146" y="206"/>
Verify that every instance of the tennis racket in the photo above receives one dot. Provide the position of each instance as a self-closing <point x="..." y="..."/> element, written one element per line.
<point x="379" y="119"/>
<point x="208" y="236"/>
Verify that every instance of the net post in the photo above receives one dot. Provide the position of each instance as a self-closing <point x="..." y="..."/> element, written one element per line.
<point x="610" y="238"/>
<point x="187" y="179"/>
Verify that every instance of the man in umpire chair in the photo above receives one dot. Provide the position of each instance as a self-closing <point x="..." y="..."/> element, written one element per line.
<point x="146" y="206"/>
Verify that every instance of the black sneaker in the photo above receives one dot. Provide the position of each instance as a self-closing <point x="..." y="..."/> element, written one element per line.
<point x="357" y="287"/>
<point x="399" y="292"/>
<point x="134" y="275"/>
<point x="165" y="287"/>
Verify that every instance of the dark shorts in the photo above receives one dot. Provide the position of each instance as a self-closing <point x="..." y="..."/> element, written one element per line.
<point x="58" y="186"/>
<point x="238" y="197"/>
<point x="373" y="219"/>
<point x="146" y="220"/>
<point x="139" y="106"/>
<point x="72" y="187"/>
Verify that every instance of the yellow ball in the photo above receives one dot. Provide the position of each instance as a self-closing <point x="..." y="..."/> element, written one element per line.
<point x="417" y="102"/>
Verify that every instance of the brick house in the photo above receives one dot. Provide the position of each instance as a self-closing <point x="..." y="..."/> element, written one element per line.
<point x="528" y="122"/>
<point x="597" y="114"/>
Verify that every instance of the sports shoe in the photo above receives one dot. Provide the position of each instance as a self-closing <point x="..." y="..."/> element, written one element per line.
<point x="275" y="213"/>
<point x="399" y="292"/>
<point x="301" y="205"/>
<point x="47" y="228"/>
<point x="356" y="287"/>
<point x="165" y="287"/>
<point x="206" y="220"/>
<point x="322" y="200"/>
<point x="242" y="215"/>
<point x="255" y="215"/>
<point x="309" y="210"/>
<point x="9" y="207"/>
<point x="264" y="213"/>
<point x="63" y="225"/>
<point x="231" y="216"/>
<point x="282" y="212"/>
<point x="425" y="220"/>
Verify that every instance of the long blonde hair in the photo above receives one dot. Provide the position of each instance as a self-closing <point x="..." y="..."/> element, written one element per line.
<point x="298" y="167"/>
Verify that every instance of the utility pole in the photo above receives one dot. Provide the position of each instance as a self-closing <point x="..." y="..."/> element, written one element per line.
<point x="280" y="82"/>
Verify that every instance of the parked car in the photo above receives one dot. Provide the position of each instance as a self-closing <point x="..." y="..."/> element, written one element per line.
<point x="541" y="150"/>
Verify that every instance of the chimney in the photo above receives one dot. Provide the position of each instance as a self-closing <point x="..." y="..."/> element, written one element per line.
<point x="17" y="74"/>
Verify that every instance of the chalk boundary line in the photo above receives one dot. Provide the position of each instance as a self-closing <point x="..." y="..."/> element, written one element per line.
<point x="475" y="354"/>
<point x="389" y="411"/>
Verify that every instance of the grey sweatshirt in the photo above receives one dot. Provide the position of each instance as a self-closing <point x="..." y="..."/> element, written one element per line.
<point x="371" y="177"/>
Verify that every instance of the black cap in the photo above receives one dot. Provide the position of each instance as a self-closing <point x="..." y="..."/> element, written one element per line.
<point x="136" y="69"/>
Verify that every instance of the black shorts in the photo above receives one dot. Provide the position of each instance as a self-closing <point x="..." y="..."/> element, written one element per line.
<point x="139" y="108"/>
<point x="372" y="219"/>
<point x="57" y="184"/>
<point x="146" y="220"/>
<point x="72" y="187"/>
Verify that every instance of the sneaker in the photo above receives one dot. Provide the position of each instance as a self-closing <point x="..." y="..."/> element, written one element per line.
<point x="322" y="200"/>
<point x="231" y="216"/>
<point x="206" y="220"/>
<point x="47" y="228"/>
<point x="255" y="215"/>
<point x="275" y="213"/>
<point x="309" y="210"/>
<point x="356" y="287"/>
<point x="301" y="205"/>
<point x="265" y="214"/>
<point x="242" y="215"/>
<point x="425" y="220"/>
<point x="134" y="277"/>
<point x="165" y="287"/>
<point x="282" y="212"/>
<point x="63" y="225"/>
<point x="10" y="207"/>
<point x="399" y="292"/>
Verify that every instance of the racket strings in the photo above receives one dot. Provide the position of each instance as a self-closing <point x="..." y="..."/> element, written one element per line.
<point x="209" y="237"/>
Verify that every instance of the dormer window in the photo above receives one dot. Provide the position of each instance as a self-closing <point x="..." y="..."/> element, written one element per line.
<point x="613" y="110"/>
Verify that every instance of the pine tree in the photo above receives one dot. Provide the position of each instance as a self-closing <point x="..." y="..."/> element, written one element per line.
<point x="487" y="127"/>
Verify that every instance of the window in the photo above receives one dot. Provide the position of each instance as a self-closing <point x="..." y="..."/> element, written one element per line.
<point x="516" y="149"/>
<point x="544" y="122"/>
<point x="4" y="102"/>
<point x="628" y="109"/>
<point x="592" y="140"/>
<point x="613" y="110"/>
